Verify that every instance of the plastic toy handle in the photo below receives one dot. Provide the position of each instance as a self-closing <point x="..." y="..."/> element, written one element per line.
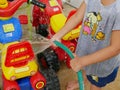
<point x="37" y="3"/>
<point x="79" y="74"/>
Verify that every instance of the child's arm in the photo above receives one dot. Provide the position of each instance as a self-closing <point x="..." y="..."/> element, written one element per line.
<point x="99" y="56"/>
<point x="71" y="23"/>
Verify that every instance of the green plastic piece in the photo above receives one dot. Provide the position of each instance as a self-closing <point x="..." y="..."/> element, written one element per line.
<point x="79" y="74"/>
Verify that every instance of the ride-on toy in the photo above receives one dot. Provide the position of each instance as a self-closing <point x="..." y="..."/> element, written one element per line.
<point x="19" y="68"/>
<point x="49" y="21"/>
<point x="18" y="61"/>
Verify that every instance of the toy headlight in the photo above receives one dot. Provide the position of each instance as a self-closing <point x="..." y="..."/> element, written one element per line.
<point x="13" y="78"/>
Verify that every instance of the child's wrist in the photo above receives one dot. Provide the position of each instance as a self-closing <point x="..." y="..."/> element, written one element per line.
<point x="82" y="62"/>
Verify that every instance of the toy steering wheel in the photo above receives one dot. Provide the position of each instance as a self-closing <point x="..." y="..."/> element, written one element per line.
<point x="79" y="74"/>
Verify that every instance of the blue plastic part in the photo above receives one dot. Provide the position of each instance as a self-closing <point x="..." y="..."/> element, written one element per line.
<point x="24" y="83"/>
<point x="10" y="30"/>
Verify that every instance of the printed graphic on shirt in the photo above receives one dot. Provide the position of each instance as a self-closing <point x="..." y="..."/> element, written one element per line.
<point x="91" y="24"/>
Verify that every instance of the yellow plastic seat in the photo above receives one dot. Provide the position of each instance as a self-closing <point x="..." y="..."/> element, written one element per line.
<point x="58" y="21"/>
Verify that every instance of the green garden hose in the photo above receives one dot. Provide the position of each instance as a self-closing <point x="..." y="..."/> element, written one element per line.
<point x="79" y="74"/>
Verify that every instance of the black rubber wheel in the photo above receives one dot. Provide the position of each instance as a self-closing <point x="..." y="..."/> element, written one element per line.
<point x="52" y="79"/>
<point x="42" y="29"/>
<point x="10" y="0"/>
<point x="48" y="59"/>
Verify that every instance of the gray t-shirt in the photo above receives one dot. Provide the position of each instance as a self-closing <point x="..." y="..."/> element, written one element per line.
<point x="98" y="23"/>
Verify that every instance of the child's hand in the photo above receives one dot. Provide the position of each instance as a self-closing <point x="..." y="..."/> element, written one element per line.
<point x="75" y="65"/>
<point x="54" y="38"/>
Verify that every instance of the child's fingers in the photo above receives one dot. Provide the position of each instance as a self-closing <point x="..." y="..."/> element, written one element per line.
<point x="54" y="39"/>
<point x="53" y="44"/>
<point x="74" y="55"/>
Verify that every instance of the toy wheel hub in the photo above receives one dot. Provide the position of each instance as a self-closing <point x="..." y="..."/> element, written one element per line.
<point x="72" y="48"/>
<point x="39" y="85"/>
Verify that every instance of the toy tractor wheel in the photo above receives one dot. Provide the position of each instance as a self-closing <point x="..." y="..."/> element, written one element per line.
<point x="42" y="30"/>
<point x="52" y="81"/>
<point x="48" y="59"/>
<point x="38" y="81"/>
<point x="9" y="85"/>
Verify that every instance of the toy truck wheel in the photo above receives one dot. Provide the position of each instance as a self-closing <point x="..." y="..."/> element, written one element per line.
<point x="42" y="30"/>
<point x="52" y="81"/>
<point x="9" y="85"/>
<point x="38" y="81"/>
<point x="49" y="59"/>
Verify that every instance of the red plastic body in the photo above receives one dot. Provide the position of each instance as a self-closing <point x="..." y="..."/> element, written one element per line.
<point x="39" y="17"/>
<point x="23" y="19"/>
<point x="13" y="85"/>
<point x="19" y="50"/>
<point x="52" y="10"/>
<point x="12" y="8"/>
<point x="47" y="13"/>
<point x="62" y="55"/>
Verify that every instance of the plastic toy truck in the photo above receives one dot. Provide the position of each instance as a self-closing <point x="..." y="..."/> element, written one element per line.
<point x="49" y="21"/>
<point x="20" y="70"/>
<point x="18" y="61"/>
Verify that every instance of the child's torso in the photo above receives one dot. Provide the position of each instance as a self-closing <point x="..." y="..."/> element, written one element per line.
<point x="96" y="31"/>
